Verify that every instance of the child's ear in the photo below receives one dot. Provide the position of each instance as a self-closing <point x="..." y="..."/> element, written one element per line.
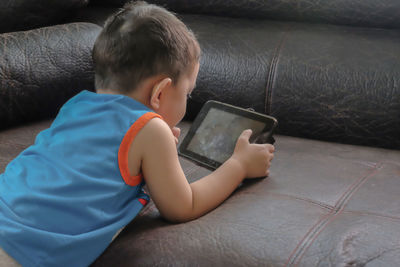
<point x="157" y="91"/>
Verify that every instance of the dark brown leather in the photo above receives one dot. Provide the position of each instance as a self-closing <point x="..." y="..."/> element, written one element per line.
<point x="96" y="14"/>
<point x="42" y="68"/>
<point x="17" y="15"/>
<point x="369" y="13"/>
<point x="323" y="204"/>
<point x="324" y="82"/>
<point x="338" y="84"/>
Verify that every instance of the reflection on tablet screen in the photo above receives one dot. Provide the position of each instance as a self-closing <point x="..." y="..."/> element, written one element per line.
<point x="217" y="135"/>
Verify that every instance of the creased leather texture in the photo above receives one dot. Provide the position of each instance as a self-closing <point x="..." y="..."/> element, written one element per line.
<point x="323" y="204"/>
<point x="16" y="15"/>
<point x="42" y="68"/>
<point x="371" y="13"/>
<point x="339" y="84"/>
<point x="324" y="82"/>
<point x="236" y="59"/>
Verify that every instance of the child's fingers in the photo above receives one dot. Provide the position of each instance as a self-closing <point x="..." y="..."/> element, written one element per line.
<point x="245" y="135"/>
<point x="271" y="148"/>
<point x="176" y="131"/>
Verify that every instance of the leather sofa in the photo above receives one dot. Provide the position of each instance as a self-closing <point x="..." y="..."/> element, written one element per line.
<point x="329" y="71"/>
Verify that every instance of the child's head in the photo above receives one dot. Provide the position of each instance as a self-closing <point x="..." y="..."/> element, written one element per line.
<point x="140" y="41"/>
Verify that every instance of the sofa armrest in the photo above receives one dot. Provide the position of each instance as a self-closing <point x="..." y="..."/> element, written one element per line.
<point x="42" y="68"/>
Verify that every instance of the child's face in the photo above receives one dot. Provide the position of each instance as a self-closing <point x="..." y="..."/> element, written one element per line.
<point x="174" y="107"/>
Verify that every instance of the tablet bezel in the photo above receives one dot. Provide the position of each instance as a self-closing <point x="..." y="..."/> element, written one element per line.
<point x="270" y="122"/>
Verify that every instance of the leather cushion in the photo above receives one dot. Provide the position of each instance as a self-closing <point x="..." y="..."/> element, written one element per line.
<point x="19" y="15"/>
<point x="372" y="13"/>
<point x="338" y="84"/>
<point x="41" y="69"/>
<point x="325" y="82"/>
<point x="323" y="204"/>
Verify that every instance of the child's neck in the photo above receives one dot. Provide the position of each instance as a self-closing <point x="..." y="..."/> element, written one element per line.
<point x="137" y="95"/>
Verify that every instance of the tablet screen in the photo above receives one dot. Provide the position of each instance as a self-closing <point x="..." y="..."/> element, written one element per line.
<point x="216" y="136"/>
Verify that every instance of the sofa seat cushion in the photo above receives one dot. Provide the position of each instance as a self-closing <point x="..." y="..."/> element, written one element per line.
<point x="323" y="202"/>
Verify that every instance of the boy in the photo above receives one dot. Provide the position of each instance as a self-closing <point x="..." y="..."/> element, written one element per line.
<point x="63" y="199"/>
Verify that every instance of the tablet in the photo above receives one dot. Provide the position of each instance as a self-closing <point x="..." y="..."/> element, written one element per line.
<point x="212" y="137"/>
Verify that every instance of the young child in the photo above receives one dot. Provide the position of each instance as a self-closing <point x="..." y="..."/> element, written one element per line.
<point x="63" y="199"/>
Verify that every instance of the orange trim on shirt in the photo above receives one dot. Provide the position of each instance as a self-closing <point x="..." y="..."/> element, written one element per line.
<point x="126" y="144"/>
<point x="143" y="201"/>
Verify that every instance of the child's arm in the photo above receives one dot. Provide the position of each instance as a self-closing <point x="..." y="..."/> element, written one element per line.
<point x="176" y="199"/>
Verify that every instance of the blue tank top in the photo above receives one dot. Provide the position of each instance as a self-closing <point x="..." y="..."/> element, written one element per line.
<point x="64" y="198"/>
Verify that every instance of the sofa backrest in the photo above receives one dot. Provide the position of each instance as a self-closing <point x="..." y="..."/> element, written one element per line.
<point x="368" y="13"/>
<point x="17" y="15"/>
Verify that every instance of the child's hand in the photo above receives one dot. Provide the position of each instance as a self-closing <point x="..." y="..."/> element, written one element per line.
<point x="176" y="132"/>
<point x="255" y="159"/>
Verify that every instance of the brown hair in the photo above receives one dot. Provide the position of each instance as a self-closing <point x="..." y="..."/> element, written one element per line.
<point x="139" y="41"/>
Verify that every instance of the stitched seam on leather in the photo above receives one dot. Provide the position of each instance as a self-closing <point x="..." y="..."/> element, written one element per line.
<point x="310" y="237"/>
<point x="316" y="203"/>
<point x="303" y="240"/>
<point x="272" y="72"/>
<point x="341" y="204"/>
<point x="343" y="197"/>
<point x="300" y="250"/>
<point x="393" y="218"/>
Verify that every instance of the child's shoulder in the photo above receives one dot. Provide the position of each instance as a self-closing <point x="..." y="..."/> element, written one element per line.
<point x="156" y="137"/>
<point x="157" y="129"/>
<point x="152" y="145"/>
